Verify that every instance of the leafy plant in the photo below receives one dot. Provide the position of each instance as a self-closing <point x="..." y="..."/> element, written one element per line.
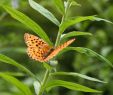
<point x="49" y="80"/>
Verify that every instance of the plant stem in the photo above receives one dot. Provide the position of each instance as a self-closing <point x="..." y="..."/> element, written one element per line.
<point x="46" y="76"/>
<point x="42" y="88"/>
<point x="63" y="19"/>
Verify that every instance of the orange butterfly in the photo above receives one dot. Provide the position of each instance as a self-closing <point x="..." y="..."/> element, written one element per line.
<point x="39" y="50"/>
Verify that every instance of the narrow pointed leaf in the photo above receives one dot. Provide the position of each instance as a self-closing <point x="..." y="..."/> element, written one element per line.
<point x="22" y="87"/>
<point x="75" y="33"/>
<point x="69" y="85"/>
<point x="13" y="49"/>
<point x="74" y="3"/>
<point x="28" y="22"/>
<point x="8" y="60"/>
<point x="16" y="74"/>
<point x="44" y="12"/>
<point x="88" y="52"/>
<point x="76" y="74"/>
<point x="76" y="20"/>
<point x="60" y="5"/>
<point x="101" y="19"/>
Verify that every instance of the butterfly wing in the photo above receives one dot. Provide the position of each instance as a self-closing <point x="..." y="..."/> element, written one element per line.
<point x="58" y="49"/>
<point x="35" y="54"/>
<point x="37" y="48"/>
<point x="34" y="41"/>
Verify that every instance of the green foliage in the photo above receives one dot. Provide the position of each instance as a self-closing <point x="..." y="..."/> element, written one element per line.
<point x="28" y="22"/>
<point x="76" y="20"/>
<point x="48" y="80"/>
<point x="75" y="33"/>
<point x="88" y="52"/>
<point x="22" y="87"/>
<point x="76" y="74"/>
<point x="8" y="60"/>
<point x="60" y="5"/>
<point x="44" y="12"/>
<point x="69" y="85"/>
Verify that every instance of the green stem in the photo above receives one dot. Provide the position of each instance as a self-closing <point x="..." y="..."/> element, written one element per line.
<point x="63" y="19"/>
<point x="58" y="39"/>
<point x="46" y="76"/>
<point x="42" y="88"/>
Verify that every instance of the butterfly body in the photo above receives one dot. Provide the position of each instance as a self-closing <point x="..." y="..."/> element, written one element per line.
<point x="39" y="50"/>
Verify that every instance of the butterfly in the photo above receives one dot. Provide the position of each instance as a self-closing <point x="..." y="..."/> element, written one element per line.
<point x="39" y="50"/>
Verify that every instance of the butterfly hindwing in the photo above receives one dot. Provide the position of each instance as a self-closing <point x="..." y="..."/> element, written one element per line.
<point x="35" y="54"/>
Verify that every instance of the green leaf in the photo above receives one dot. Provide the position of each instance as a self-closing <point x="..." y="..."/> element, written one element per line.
<point x="101" y="19"/>
<point x="75" y="33"/>
<point x="77" y="74"/>
<point x="69" y="85"/>
<point x="13" y="49"/>
<point x="60" y="5"/>
<point x="22" y="87"/>
<point x="17" y="74"/>
<point x="88" y="52"/>
<point x="8" y="60"/>
<point x="74" y="3"/>
<point x="76" y="20"/>
<point x="28" y="22"/>
<point x="44" y="12"/>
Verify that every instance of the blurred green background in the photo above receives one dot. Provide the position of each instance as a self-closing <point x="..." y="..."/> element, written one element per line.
<point x="12" y="44"/>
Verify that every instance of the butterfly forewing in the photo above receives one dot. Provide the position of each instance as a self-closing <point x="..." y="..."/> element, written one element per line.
<point x="58" y="49"/>
<point x="34" y="41"/>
